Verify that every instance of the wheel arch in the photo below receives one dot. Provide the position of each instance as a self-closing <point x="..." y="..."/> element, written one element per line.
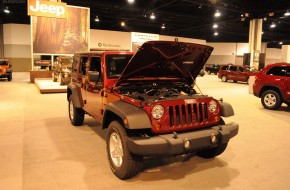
<point x="127" y="114"/>
<point x="74" y="91"/>
<point x="226" y="109"/>
<point x="270" y="87"/>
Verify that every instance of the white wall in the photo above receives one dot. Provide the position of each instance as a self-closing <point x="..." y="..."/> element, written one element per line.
<point x="17" y="34"/>
<point x="104" y="39"/>
<point x="285" y="53"/>
<point x="181" y="39"/>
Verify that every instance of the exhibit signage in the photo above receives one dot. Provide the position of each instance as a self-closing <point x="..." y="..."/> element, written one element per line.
<point x="47" y="9"/>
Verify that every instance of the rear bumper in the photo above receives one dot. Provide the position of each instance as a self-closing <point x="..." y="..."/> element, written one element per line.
<point x="169" y="144"/>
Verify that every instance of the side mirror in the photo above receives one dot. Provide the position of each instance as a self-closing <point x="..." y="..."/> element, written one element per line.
<point x="94" y="76"/>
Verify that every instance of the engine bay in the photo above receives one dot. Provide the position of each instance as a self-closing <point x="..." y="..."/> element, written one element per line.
<point x="158" y="92"/>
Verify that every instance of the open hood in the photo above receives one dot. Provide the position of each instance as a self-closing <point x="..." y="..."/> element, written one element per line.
<point x="166" y="60"/>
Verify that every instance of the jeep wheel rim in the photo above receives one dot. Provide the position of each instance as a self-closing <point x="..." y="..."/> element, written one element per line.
<point x="71" y="110"/>
<point x="116" y="149"/>
<point x="270" y="100"/>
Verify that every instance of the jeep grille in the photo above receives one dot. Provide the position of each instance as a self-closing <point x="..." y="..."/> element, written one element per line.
<point x="187" y="114"/>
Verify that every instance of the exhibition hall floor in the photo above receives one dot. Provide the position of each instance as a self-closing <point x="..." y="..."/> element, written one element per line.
<point x="41" y="150"/>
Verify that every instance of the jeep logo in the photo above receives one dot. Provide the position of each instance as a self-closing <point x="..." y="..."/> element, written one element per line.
<point x="47" y="9"/>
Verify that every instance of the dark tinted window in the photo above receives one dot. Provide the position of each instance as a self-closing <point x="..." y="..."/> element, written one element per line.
<point x="277" y="71"/>
<point x="233" y="68"/>
<point x="116" y="64"/>
<point x="288" y="72"/>
<point x="3" y="62"/>
<point x="224" y="68"/>
<point x="83" y="65"/>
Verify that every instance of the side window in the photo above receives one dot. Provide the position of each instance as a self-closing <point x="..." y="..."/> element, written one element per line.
<point x="241" y="69"/>
<point x="288" y="72"/>
<point x="277" y="71"/>
<point x="83" y="65"/>
<point x="225" y="68"/>
<point x="95" y="65"/>
<point x="233" y="68"/>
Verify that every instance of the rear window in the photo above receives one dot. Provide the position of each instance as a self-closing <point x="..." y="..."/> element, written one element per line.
<point x="277" y="71"/>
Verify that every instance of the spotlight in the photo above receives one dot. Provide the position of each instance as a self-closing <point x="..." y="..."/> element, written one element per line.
<point x="131" y="1"/>
<point x="6" y="10"/>
<point x="163" y="26"/>
<point x="273" y="25"/>
<point x="217" y="14"/>
<point x="216" y="33"/>
<point x="287" y="13"/>
<point x="280" y="43"/>
<point x="123" y="24"/>
<point x="152" y="16"/>
<point x="97" y="19"/>
<point x="215" y="26"/>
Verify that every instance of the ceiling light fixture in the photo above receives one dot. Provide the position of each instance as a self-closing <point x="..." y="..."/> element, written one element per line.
<point x="215" y="26"/>
<point x="273" y="25"/>
<point x="6" y="10"/>
<point x="280" y="43"/>
<point x="287" y="13"/>
<point x="123" y="24"/>
<point x="97" y="19"/>
<point x="217" y="13"/>
<point x="131" y="1"/>
<point x="152" y="16"/>
<point x="163" y="26"/>
<point x="200" y="6"/>
<point x="216" y="33"/>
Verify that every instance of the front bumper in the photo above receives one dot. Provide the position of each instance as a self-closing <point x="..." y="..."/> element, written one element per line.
<point x="171" y="144"/>
<point x="6" y="75"/>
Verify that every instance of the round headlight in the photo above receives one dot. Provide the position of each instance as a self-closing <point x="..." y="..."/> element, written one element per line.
<point x="212" y="106"/>
<point x="157" y="111"/>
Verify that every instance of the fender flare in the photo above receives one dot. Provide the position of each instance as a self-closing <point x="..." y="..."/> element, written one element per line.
<point x="76" y="94"/>
<point x="226" y="109"/>
<point x="136" y="117"/>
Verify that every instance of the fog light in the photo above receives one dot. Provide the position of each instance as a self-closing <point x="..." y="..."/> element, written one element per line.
<point x="213" y="138"/>
<point x="187" y="144"/>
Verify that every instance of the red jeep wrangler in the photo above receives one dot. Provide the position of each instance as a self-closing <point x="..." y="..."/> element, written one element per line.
<point x="147" y="103"/>
<point x="272" y="85"/>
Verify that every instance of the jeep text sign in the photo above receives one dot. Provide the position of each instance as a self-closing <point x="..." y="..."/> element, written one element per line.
<point x="47" y="9"/>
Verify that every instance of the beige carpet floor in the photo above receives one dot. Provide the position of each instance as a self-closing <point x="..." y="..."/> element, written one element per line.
<point x="41" y="150"/>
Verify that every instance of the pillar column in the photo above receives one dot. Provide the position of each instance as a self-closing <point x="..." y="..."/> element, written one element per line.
<point x="1" y="41"/>
<point x="255" y="40"/>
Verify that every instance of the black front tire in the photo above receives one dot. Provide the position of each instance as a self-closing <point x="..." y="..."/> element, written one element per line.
<point x="123" y="163"/>
<point x="76" y="115"/>
<point x="271" y="100"/>
<point x="9" y="77"/>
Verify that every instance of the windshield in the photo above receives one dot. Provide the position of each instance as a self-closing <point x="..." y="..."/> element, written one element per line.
<point x="4" y="63"/>
<point x="116" y="64"/>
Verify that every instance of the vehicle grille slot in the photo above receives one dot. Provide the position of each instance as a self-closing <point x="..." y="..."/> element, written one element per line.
<point x="171" y="116"/>
<point x="183" y="117"/>
<point x="189" y="113"/>
<point x="194" y="113"/>
<point x="177" y="113"/>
